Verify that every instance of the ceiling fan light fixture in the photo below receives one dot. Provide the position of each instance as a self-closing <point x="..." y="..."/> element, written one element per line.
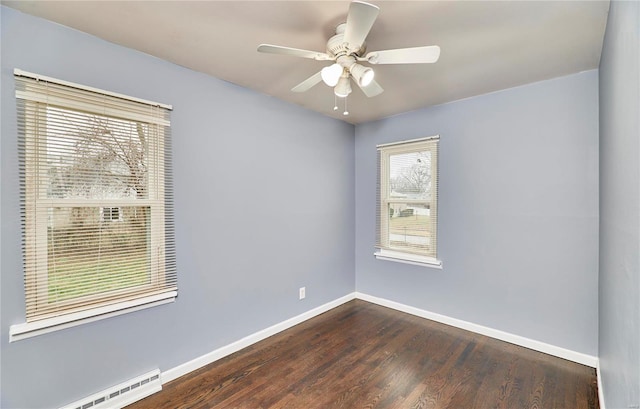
<point x="331" y="74"/>
<point x="343" y="88"/>
<point x="367" y="77"/>
<point x="364" y="75"/>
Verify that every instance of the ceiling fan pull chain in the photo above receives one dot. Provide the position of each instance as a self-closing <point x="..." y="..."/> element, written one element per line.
<point x="345" y="113"/>
<point x="335" y="102"/>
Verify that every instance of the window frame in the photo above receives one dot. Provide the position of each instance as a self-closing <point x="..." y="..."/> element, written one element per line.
<point x="91" y="307"/>
<point x="384" y="250"/>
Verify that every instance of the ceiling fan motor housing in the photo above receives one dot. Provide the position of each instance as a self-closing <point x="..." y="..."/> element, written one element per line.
<point x="337" y="47"/>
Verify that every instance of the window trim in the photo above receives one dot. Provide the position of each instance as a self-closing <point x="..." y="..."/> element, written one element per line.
<point x="408" y="258"/>
<point x="27" y="330"/>
<point x="36" y="205"/>
<point x="386" y="251"/>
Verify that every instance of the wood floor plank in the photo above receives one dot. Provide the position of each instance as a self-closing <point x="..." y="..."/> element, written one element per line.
<point x="361" y="355"/>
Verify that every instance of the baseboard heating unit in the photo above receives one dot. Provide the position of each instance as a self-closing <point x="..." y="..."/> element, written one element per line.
<point x="123" y="394"/>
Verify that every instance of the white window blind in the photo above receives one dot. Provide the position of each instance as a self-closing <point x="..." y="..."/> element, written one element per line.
<point x="407" y="205"/>
<point x="96" y="199"/>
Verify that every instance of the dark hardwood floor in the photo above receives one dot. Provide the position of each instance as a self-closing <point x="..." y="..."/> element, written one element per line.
<point x="361" y="355"/>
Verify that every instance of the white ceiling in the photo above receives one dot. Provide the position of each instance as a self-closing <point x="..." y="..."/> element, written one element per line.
<point x="485" y="45"/>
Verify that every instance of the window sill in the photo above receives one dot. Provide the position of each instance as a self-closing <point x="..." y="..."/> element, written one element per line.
<point x="32" y="329"/>
<point x="408" y="259"/>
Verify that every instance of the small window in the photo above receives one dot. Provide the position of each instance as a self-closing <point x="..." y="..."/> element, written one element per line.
<point x="96" y="211"/>
<point x="110" y="214"/>
<point x="407" y="208"/>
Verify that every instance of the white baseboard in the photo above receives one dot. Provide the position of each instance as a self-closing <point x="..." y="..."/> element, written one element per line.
<point x="570" y="355"/>
<point x="221" y="352"/>
<point x="600" y="391"/>
<point x="229" y="349"/>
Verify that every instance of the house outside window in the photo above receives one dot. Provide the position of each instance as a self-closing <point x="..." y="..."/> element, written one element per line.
<point x="96" y="211"/>
<point x="407" y="204"/>
<point x="111" y="214"/>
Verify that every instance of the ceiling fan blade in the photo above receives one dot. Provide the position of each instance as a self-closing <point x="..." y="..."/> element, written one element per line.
<point x="296" y="52"/>
<point x="414" y="55"/>
<point x="359" y="22"/>
<point x="308" y="83"/>
<point x="372" y="89"/>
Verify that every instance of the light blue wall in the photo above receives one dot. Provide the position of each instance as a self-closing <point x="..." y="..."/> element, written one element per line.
<point x="518" y="212"/>
<point x="619" y="340"/>
<point x="264" y="204"/>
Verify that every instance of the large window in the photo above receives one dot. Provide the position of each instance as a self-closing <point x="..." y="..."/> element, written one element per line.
<point x="96" y="203"/>
<point x="407" y="216"/>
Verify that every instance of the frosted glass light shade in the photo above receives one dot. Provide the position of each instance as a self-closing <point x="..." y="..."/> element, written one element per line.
<point x="343" y="88"/>
<point x="331" y="74"/>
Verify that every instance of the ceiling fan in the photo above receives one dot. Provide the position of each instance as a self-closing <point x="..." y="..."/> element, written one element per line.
<point x="347" y="50"/>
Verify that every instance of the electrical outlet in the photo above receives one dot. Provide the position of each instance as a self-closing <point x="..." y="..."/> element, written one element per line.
<point x="303" y="292"/>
